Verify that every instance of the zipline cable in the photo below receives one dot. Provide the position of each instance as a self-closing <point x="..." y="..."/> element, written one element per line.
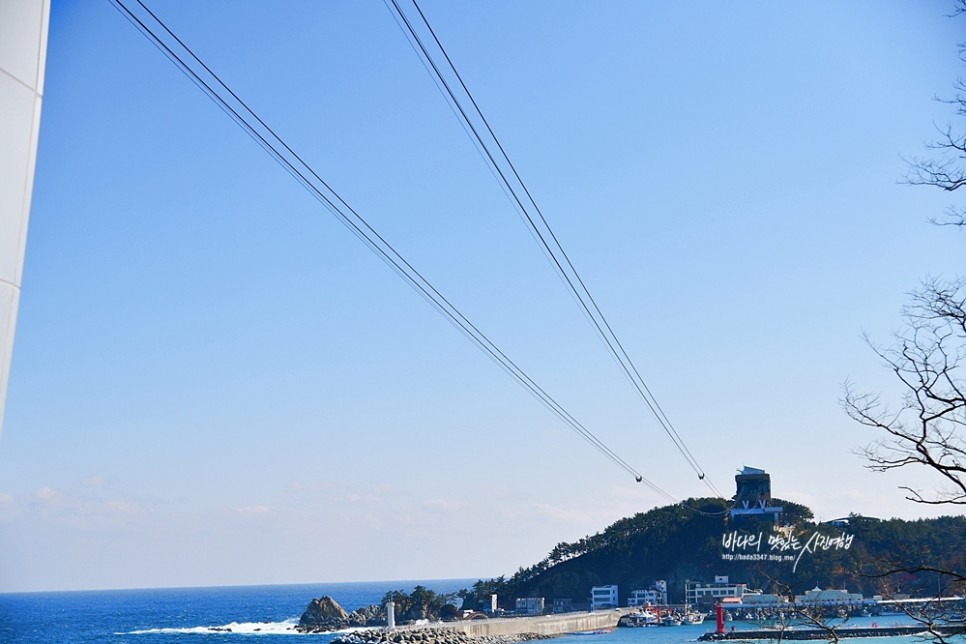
<point x="275" y="146"/>
<point x="554" y="251"/>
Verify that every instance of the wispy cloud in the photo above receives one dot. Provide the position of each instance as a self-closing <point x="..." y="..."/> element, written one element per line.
<point x="47" y="494"/>
<point x="447" y="505"/>
<point x="117" y="506"/>
<point x="254" y="510"/>
<point x="95" y="481"/>
<point x="364" y="498"/>
<point x="558" y="513"/>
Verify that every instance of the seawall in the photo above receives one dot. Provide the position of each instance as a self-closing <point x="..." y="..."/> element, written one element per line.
<point x="841" y="632"/>
<point x="543" y="625"/>
<point x="485" y="631"/>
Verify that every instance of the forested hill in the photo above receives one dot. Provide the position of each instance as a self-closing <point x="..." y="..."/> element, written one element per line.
<point x="687" y="541"/>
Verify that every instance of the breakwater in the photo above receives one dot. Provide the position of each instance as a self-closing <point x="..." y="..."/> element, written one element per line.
<point x="825" y="634"/>
<point x="428" y="635"/>
<point x="485" y="631"/>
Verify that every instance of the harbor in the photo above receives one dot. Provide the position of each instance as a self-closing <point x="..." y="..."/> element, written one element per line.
<point x="502" y="629"/>
<point x="832" y="633"/>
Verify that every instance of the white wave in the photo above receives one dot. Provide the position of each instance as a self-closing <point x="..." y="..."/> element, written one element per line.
<point x="240" y="628"/>
<point x="354" y="629"/>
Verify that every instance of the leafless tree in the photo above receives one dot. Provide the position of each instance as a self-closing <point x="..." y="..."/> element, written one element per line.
<point x="944" y="166"/>
<point x="928" y="427"/>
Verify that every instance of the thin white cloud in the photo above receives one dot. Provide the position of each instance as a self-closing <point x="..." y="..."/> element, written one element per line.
<point x="364" y="498"/>
<point x="95" y="481"/>
<point x="46" y="495"/>
<point x="117" y="506"/>
<point x="447" y="505"/>
<point x="559" y="513"/>
<point x="253" y="510"/>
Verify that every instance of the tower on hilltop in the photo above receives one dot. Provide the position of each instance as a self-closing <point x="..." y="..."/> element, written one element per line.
<point x="753" y="494"/>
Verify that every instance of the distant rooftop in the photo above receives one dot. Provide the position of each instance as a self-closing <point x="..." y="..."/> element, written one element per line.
<point x="751" y="470"/>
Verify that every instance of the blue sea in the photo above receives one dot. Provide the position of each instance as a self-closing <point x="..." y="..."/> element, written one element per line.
<point x="255" y="614"/>
<point x="243" y="614"/>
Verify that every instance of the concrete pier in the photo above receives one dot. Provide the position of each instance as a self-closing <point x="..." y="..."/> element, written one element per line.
<point x="502" y="630"/>
<point x="515" y="630"/>
<point x="820" y="634"/>
<point x="542" y="625"/>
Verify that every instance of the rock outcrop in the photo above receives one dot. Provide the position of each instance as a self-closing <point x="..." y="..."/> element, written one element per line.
<point x="324" y="615"/>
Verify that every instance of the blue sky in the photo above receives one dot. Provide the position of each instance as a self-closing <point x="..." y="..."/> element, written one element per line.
<point x="215" y="383"/>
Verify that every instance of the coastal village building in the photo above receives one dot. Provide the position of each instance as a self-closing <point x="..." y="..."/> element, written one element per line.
<point x="655" y="595"/>
<point x="758" y="599"/>
<point x="819" y="597"/>
<point x="530" y="605"/>
<point x="492" y="608"/>
<point x="699" y="593"/>
<point x="603" y="597"/>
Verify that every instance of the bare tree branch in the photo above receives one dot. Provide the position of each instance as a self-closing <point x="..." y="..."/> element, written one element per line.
<point x="926" y="429"/>
<point x="945" y="167"/>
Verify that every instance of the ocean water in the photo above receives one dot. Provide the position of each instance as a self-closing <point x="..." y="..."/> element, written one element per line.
<point x="250" y="615"/>
<point x="254" y="614"/>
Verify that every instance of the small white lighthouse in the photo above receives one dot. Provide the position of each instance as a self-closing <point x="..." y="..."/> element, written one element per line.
<point x="390" y="615"/>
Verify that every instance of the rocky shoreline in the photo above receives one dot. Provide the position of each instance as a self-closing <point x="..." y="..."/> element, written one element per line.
<point x="430" y="635"/>
<point x="422" y="626"/>
<point x="324" y="615"/>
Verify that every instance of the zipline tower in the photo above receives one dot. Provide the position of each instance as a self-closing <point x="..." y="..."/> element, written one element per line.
<point x="753" y="494"/>
<point x="23" y="55"/>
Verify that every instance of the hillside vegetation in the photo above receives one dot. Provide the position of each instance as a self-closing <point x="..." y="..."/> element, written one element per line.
<point x="684" y="541"/>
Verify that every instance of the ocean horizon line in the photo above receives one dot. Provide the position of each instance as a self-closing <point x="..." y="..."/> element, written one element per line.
<point x="419" y="581"/>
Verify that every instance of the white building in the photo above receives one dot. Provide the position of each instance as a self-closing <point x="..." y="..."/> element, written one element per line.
<point x="819" y="597"/>
<point x="603" y="597"/>
<point x="757" y="599"/>
<point x="530" y="605"/>
<point x="655" y="595"/>
<point x="701" y="593"/>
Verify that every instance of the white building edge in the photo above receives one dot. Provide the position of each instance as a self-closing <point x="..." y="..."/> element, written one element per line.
<point x="603" y="597"/>
<point x="23" y="56"/>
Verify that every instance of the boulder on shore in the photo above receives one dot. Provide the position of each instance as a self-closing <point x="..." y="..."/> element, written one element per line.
<point x="324" y="615"/>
